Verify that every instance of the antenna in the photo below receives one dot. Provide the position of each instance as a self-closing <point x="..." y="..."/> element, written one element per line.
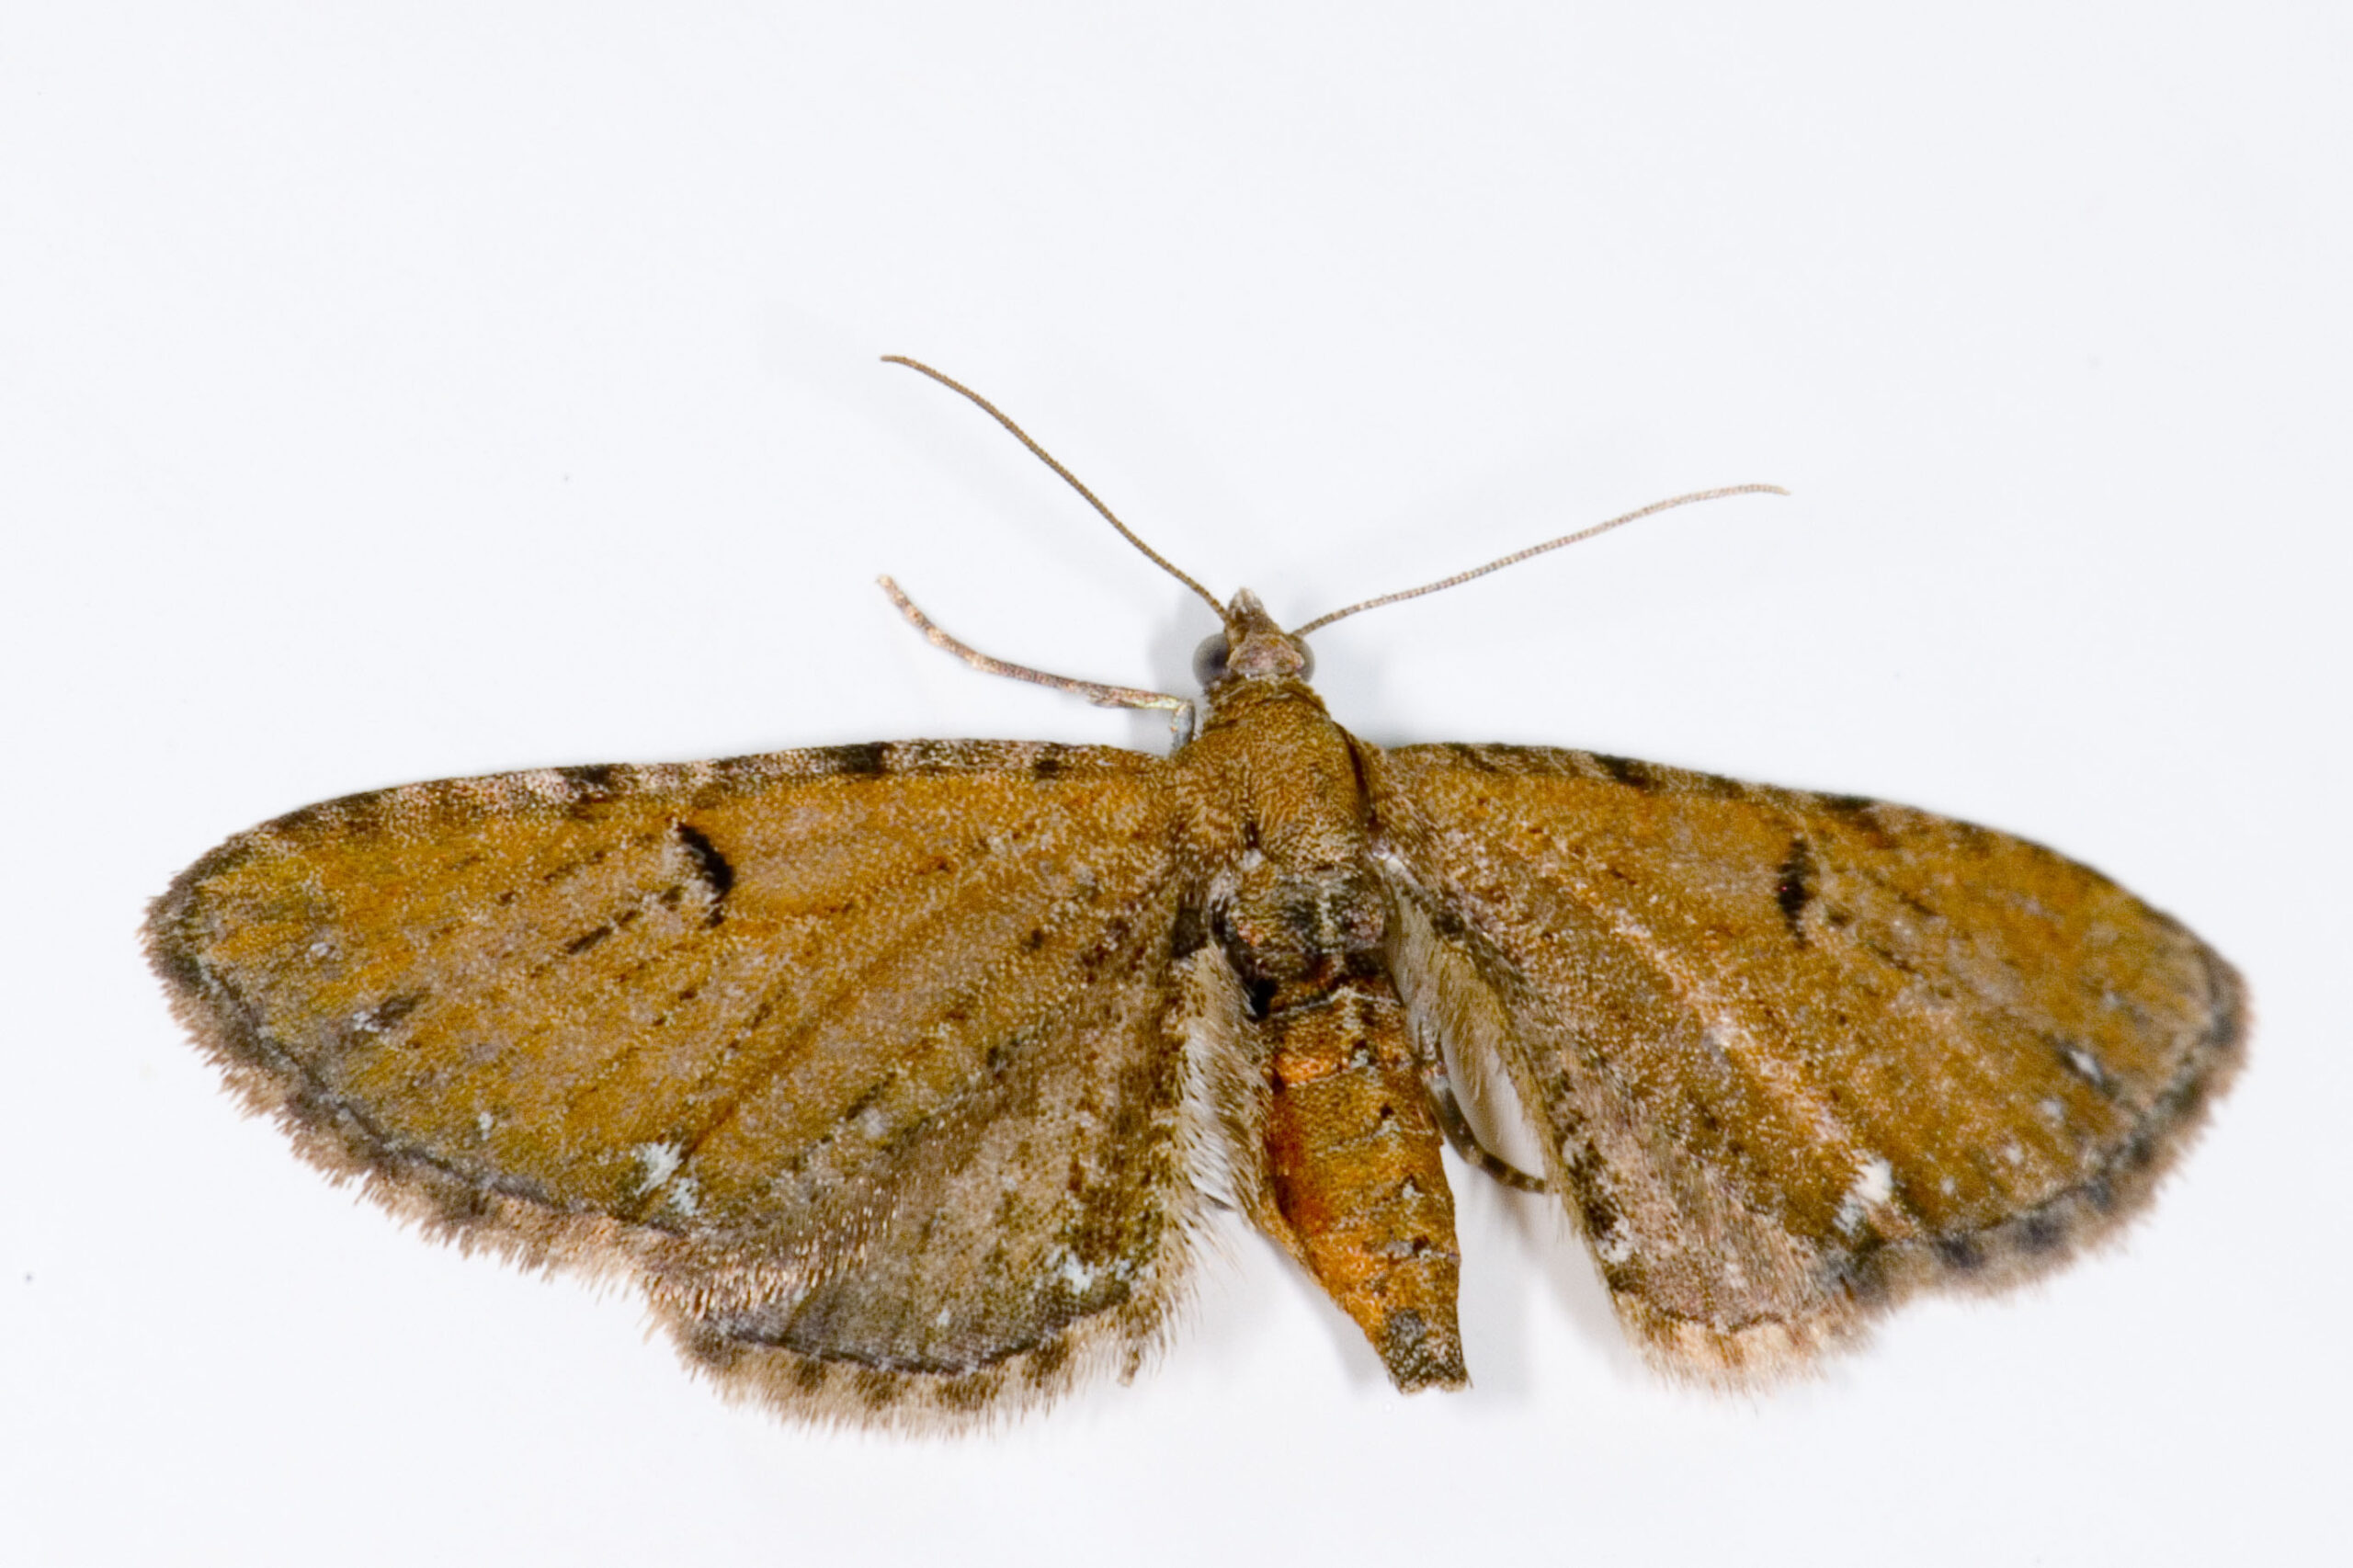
<point x="1068" y="478"/>
<point x="1517" y="556"/>
<point x="1094" y="691"/>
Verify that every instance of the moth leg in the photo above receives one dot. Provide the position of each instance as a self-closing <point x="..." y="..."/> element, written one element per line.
<point x="1461" y="1137"/>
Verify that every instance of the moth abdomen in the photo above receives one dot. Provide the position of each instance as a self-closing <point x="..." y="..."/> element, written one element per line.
<point x="1353" y="1168"/>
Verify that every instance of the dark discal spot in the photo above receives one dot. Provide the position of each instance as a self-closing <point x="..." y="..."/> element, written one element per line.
<point x="1035" y="939"/>
<point x="1048" y="762"/>
<point x="710" y="866"/>
<point x="1793" y="887"/>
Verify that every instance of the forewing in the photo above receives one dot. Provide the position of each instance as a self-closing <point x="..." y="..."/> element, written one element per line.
<point x="1792" y="1054"/>
<point x="856" y="1056"/>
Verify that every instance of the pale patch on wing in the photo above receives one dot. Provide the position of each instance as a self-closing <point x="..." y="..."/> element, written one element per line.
<point x="656" y="1164"/>
<point x="1874" y="1185"/>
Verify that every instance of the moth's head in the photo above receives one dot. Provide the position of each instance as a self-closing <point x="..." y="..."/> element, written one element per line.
<point x="1252" y="647"/>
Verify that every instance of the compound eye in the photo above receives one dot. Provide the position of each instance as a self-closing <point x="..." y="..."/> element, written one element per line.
<point x="1208" y="660"/>
<point x="1306" y="660"/>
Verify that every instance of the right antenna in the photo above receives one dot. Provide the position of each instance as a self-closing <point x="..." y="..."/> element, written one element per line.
<point x="1517" y="556"/>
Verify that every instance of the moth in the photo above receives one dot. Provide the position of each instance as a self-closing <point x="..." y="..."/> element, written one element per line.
<point x="907" y="1078"/>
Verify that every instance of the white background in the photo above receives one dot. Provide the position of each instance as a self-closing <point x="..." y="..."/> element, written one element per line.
<point x="389" y="392"/>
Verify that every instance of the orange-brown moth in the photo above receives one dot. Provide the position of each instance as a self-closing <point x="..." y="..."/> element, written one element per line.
<point x="906" y="1077"/>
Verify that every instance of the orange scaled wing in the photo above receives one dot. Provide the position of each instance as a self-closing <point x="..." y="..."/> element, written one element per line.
<point x="1794" y="1054"/>
<point x="858" y="1058"/>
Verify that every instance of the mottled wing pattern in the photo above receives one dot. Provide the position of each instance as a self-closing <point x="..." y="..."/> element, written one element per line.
<point x="1794" y="1054"/>
<point x="857" y="1057"/>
